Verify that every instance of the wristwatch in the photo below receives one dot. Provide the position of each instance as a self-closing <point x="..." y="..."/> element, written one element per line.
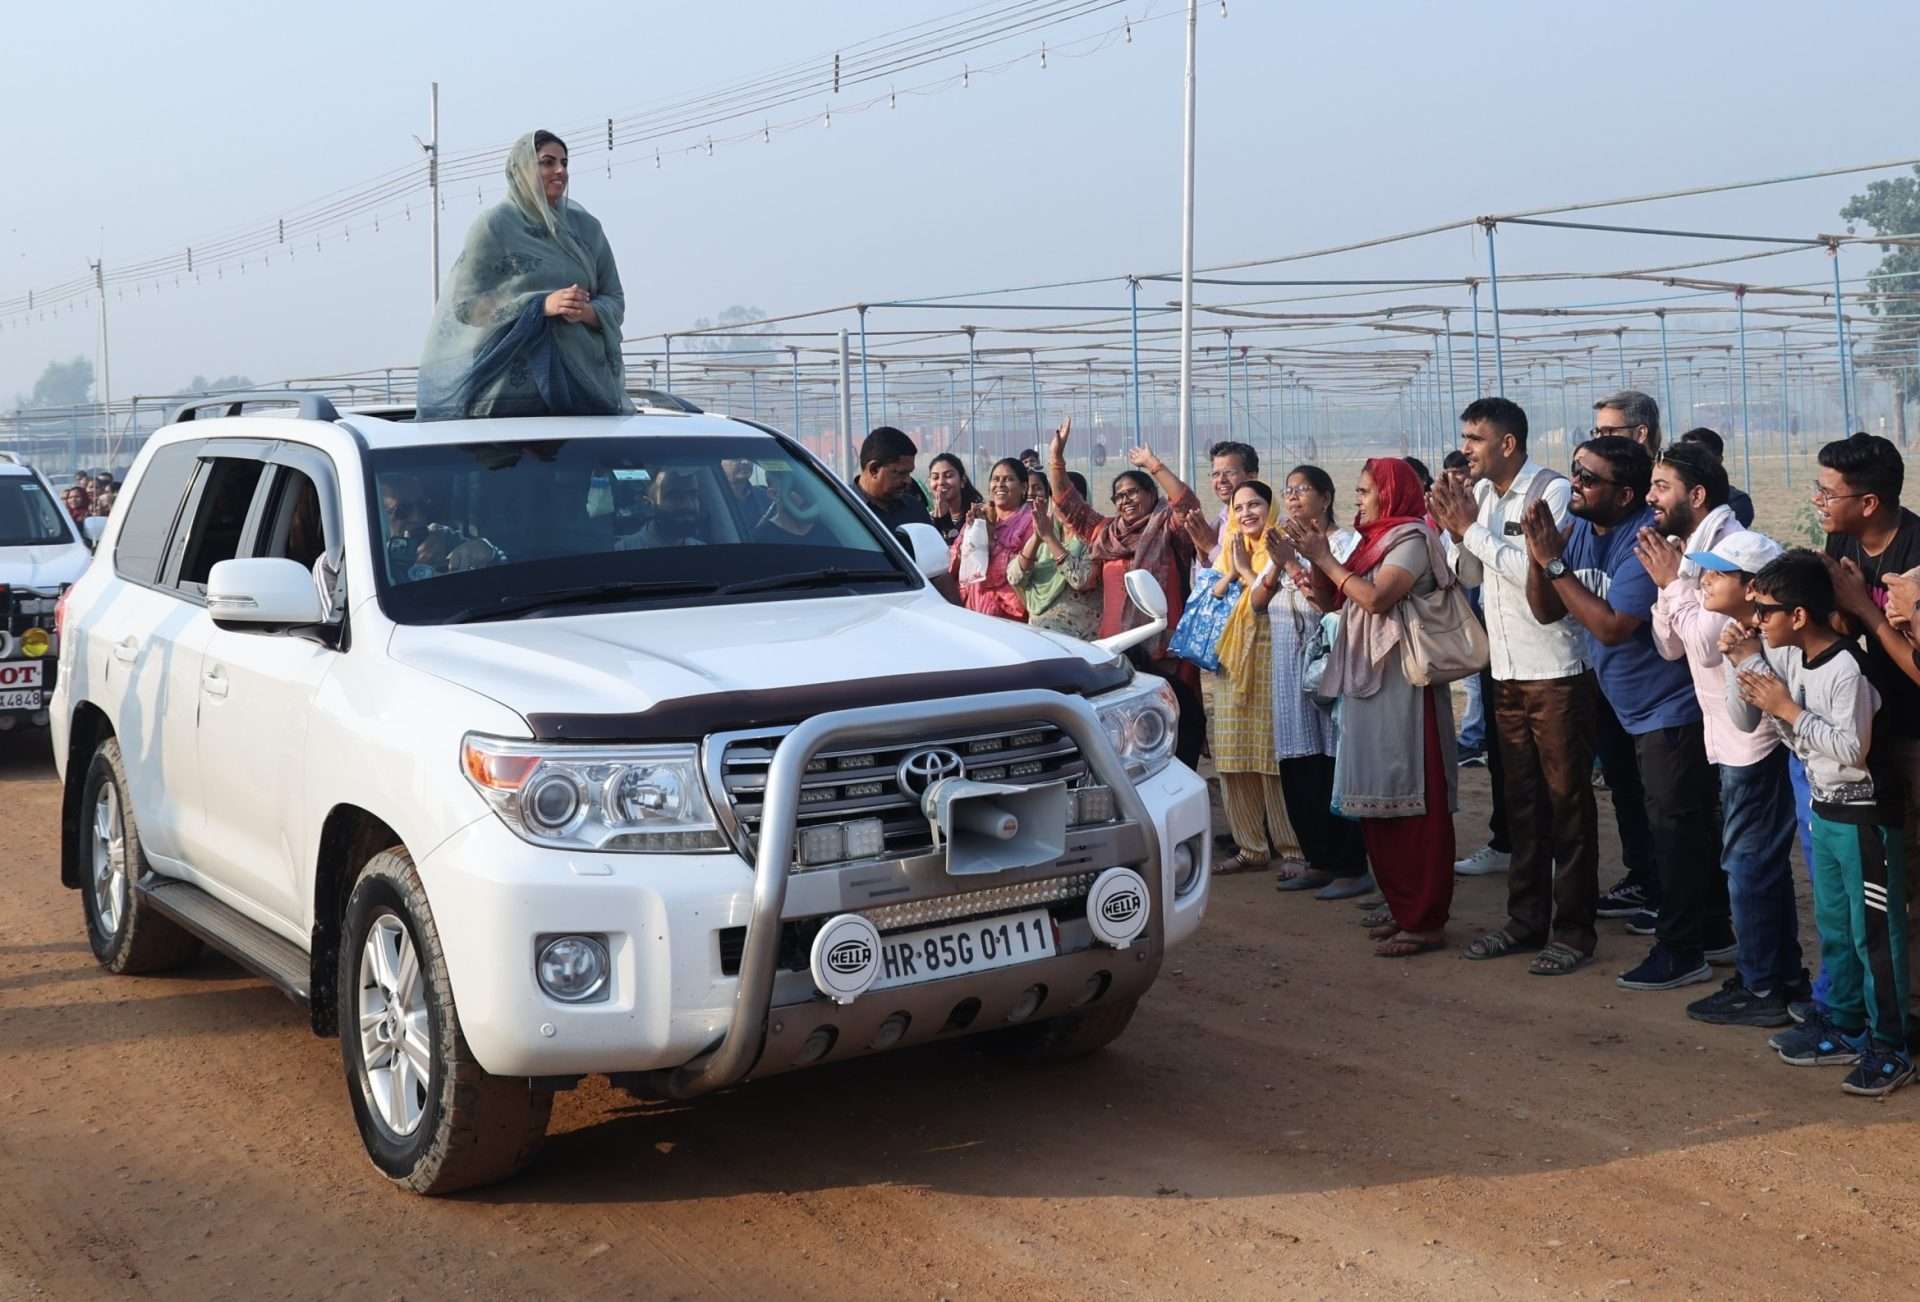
<point x="1555" y="568"/>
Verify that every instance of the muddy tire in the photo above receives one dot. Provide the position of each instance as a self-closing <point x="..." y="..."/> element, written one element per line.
<point x="432" y="1119"/>
<point x="126" y="934"/>
<point x="1071" y="1035"/>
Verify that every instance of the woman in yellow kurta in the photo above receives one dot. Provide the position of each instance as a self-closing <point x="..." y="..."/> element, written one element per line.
<point x="1243" y="747"/>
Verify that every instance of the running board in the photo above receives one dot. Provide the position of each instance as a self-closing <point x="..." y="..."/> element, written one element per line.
<point x="231" y="932"/>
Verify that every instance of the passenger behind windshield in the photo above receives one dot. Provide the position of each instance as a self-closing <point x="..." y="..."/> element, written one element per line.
<point x="529" y="324"/>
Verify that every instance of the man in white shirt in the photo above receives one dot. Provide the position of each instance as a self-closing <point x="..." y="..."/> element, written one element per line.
<point x="1544" y="696"/>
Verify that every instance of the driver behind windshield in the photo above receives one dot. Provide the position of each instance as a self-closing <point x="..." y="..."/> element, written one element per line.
<point x="793" y="513"/>
<point x="419" y="547"/>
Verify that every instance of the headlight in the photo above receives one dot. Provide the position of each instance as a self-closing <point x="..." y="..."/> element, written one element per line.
<point x="1142" y="719"/>
<point x="614" y="798"/>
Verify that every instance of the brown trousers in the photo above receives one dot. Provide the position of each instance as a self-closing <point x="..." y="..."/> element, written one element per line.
<point x="1546" y="731"/>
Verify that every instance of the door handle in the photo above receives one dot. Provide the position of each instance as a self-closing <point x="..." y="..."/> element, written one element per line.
<point x="126" y="650"/>
<point x="214" y="682"/>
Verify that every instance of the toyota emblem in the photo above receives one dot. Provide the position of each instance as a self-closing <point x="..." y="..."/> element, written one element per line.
<point x="922" y="768"/>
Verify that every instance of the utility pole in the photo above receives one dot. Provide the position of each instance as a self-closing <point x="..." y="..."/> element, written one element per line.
<point x="1186" y="260"/>
<point x="106" y="353"/>
<point x="431" y="147"/>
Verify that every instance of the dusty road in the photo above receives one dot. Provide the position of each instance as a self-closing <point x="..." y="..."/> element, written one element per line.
<point x="1288" y="1118"/>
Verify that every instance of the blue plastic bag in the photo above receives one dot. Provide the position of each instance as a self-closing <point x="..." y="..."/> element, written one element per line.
<point x="1197" y="637"/>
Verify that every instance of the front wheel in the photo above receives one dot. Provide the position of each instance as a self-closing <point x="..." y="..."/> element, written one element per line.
<point x="432" y="1119"/>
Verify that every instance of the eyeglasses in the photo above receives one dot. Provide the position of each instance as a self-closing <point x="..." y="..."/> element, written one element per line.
<point x="1127" y="495"/>
<point x="1292" y="491"/>
<point x="1582" y="476"/>
<point x="1821" y="496"/>
<point x="1764" y="610"/>
<point x="1601" y="431"/>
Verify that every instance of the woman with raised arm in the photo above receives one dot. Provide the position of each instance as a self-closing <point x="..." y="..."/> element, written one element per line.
<point x="1394" y="771"/>
<point x="1053" y="573"/>
<point x="952" y="494"/>
<point x="529" y="322"/>
<point x="1009" y="524"/>
<point x="1144" y="533"/>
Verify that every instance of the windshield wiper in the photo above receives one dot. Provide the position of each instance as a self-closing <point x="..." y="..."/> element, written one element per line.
<point x="585" y="594"/>
<point x="827" y="578"/>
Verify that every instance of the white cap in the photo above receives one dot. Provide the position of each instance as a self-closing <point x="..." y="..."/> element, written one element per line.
<point x="1745" y="550"/>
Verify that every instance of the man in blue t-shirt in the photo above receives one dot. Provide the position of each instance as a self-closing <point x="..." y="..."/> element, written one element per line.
<point x="1593" y="575"/>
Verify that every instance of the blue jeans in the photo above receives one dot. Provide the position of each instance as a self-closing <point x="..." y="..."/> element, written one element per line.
<point x="1757" y="812"/>
<point x="1473" y="719"/>
<point x="1803" y="819"/>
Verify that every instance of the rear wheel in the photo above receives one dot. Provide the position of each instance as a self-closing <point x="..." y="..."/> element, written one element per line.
<point x="432" y="1119"/>
<point x="126" y="934"/>
<point x="1071" y="1035"/>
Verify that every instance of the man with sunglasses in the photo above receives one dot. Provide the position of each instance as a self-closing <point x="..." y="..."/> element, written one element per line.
<point x="1594" y="575"/>
<point x="1870" y="536"/>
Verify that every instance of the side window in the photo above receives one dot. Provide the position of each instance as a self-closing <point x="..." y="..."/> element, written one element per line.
<point x="291" y="528"/>
<point x="219" y="519"/>
<point x="151" y="511"/>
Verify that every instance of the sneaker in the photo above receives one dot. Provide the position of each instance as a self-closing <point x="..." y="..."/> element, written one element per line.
<point x="1484" y="862"/>
<point x="1801" y="1009"/>
<point x="1622" y="900"/>
<point x="1722" y="955"/>
<point x="1666" y="968"/>
<point x="1880" y="1070"/>
<point x="1473" y="759"/>
<point x="1646" y="922"/>
<point x="1736" y="1005"/>
<point x="1817" y="1042"/>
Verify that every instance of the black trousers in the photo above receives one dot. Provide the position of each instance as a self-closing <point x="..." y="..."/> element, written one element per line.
<point x="1616" y="751"/>
<point x="1330" y="842"/>
<point x="1682" y="799"/>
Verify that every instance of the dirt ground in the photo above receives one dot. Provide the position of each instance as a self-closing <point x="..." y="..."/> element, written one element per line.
<point x="1288" y="1117"/>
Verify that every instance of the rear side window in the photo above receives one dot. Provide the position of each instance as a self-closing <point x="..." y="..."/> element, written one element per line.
<point x="219" y="519"/>
<point x="151" y="512"/>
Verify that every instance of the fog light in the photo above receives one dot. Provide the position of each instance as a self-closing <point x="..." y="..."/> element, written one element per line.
<point x="1186" y="865"/>
<point x="574" y="969"/>
<point x="866" y="838"/>
<point x="826" y="843"/>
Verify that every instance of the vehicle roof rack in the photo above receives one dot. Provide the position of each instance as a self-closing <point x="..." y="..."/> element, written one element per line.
<point x="313" y="406"/>
<point x="11" y="458"/>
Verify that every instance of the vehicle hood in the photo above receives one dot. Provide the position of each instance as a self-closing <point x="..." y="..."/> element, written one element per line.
<point x="628" y="662"/>
<point x="47" y="567"/>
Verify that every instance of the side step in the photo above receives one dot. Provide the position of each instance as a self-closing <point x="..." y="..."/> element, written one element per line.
<point x="237" y="936"/>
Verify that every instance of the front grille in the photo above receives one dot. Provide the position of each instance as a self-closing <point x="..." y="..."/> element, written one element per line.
<point x="858" y="782"/>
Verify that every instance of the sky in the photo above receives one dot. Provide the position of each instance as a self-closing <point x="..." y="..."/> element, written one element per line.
<point x="148" y="127"/>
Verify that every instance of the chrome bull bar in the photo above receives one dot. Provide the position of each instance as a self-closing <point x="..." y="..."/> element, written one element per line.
<point x="740" y="1048"/>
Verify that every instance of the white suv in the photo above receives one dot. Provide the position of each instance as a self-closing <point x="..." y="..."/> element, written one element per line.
<point x="41" y="552"/>
<point x="524" y="749"/>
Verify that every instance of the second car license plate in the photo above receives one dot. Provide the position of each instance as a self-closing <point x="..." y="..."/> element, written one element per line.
<point x="977" y="946"/>
<point x="19" y="700"/>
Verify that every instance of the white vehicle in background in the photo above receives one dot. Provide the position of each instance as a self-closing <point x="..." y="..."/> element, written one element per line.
<point x="41" y="552"/>
<point x="519" y="750"/>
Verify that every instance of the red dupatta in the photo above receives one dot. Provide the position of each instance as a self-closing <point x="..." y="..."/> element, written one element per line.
<point x="1401" y="504"/>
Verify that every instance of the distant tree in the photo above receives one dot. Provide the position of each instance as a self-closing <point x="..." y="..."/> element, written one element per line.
<point x="62" y="384"/>
<point x="738" y="321"/>
<point x="225" y="384"/>
<point x="1893" y="208"/>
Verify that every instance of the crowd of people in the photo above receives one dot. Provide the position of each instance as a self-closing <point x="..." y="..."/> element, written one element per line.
<point x="1629" y="628"/>
<point x="90" y="494"/>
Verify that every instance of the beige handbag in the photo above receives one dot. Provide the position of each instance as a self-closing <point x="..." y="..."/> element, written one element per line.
<point x="1442" y="640"/>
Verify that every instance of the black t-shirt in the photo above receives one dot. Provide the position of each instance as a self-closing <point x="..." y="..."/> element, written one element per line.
<point x="1742" y="507"/>
<point x="904" y="509"/>
<point x="1899" y="695"/>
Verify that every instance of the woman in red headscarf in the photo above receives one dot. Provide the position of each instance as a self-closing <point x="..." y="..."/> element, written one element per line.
<point x="1394" y="763"/>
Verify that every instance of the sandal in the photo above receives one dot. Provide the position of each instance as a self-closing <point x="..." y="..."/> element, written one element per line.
<point x="1312" y="879"/>
<point x="1383" y="914"/>
<point x="1558" y="959"/>
<point x="1384" y="930"/>
<point x="1290" y="869"/>
<point x="1496" y="944"/>
<point x="1241" y="862"/>
<point x="1370" y="902"/>
<point x="1406" y="944"/>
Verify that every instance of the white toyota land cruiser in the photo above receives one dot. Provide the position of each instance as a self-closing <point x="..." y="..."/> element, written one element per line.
<point x="41" y="552"/>
<point x="524" y="749"/>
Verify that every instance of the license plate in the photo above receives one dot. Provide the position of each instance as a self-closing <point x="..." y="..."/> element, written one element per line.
<point x="19" y="700"/>
<point x="19" y="673"/>
<point x="978" y="946"/>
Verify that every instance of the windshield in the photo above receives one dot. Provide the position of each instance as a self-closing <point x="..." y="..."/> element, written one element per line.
<point x="478" y="531"/>
<point x="29" y="517"/>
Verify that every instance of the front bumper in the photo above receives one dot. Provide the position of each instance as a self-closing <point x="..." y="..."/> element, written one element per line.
<point x="703" y="1012"/>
